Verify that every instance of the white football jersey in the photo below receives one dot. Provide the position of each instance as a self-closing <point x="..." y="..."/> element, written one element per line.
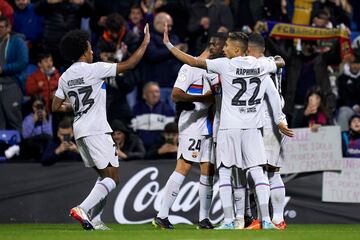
<point x="244" y="81"/>
<point x="82" y="83"/>
<point x="193" y="81"/>
<point x="268" y="120"/>
<point x="216" y="91"/>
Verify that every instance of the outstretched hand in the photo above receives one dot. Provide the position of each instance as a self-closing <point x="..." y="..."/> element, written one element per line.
<point x="147" y="34"/>
<point x="285" y="130"/>
<point x="166" y="34"/>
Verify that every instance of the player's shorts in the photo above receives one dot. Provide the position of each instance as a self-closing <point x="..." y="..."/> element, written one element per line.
<point x="98" y="151"/>
<point x="242" y="148"/>
<point x="273" y="141"/>
<point x="195" y="148"/>
<point x="213" y="150"/>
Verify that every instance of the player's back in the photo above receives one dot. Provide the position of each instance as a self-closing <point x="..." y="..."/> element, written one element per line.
<point x="243" y="81"/>
<point x="83" y="85"/>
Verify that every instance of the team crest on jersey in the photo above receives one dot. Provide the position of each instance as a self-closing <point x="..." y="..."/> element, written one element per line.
<point x="242" y="110"/>
<point x="194" y="154"/>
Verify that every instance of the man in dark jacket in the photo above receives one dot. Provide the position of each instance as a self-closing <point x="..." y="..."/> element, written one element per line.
<point x="14" y="58"/>
<point x="128" y="145"/>
<point x="303" y="70"/>
<point x="60" y="17"/>
<point x="151" y="115"/>
<point x="206" y="18"/>
<point x="349" y="91"/>
<point x="62" y="147"/>
<point x="159" y="64"/>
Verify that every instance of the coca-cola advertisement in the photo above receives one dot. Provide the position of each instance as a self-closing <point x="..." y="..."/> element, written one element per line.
<point x="35" y="194"/>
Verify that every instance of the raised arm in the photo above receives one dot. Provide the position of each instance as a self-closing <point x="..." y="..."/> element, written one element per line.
<point x="183" y="57"/>
<point x="275" y="103"/>
<point x="137" y="55"/>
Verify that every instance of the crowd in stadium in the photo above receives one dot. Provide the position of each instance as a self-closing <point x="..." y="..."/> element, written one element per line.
<point x="320" y="86"/>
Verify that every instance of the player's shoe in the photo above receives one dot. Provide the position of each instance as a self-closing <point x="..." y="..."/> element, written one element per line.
<point x="225" y="226"/>
<point x="205" y="224"/>
<point x="80" y="215"/>
<point x="239" y="223"/>
<point x="281" y="225"/>
<point x="267" y="225"/>
<point x="248" y="220"/>
<point x="162" y="223"/>
<point x="255" y="225"/>
<point x="101" y="226"/>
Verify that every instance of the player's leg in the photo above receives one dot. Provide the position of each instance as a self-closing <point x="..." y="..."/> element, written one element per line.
<point x="277" y="197"/>
<point x="225" y="192"/>
<point x="205" y="194"/>
<point x="171" y="190"/>
<point x="96" y="211"/>
<point x="239" y="191"/>
<point x="98" y="152"/>
<point x="254" y="159"/>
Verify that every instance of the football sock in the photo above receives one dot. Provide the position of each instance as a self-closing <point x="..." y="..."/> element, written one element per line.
<point x="205" y="196"/>
<point x="225" y="191"/>
<point x="96" y="211"/>
<point x="99" y="192"/>
<point x="248" y="212"/>
<point x="277" y="196"/>
<point x="262" y="190"/>
<point x="171" y="191"/>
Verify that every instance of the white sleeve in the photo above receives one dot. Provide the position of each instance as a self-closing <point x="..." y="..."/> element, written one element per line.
<point x="274" y="100"/>
<point x="184" y="78"/>
<point x="268" y="64"/>
<point x="218" y="65"/>
<point x="103" y="70"/>
<point x="60" y="91"/>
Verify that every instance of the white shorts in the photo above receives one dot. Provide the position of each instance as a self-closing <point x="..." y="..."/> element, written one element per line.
<point x="98" y="150"/>
<point x="242" y="148"/>
<point x="273" y="142"/>
<point x="195" y="148"/>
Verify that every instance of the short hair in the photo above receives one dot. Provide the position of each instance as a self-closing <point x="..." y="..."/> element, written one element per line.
<point x="147" y="85"/>
<point x="240" y="37"/>
<point x="5" y="19"/>
<point x="42" y="56"/>
<point x="322" y="14"/>
<point x="257" y="40"/>
<point x="65" y="123"/>
<point x="171" y="127"/>
<point x="222" y="36"/>
<point x="114" y="22"/>
<point x="74" y="44"/>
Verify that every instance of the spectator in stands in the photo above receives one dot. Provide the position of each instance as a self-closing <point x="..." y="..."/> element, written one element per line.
<point x="351" y="138"/>
<point x="13" y="61"/>
<point x="151" y="6"/>
<point x="102" y="8"/>
<point x="62" y="147"/>
<point x="137" y="20"/>
<point x="117" y="88"/>
<point x="129" y="146"/>
<point x="206" y="18"/>
<point x="60" y="16"/>
<point x="159" y="64"/>
<point x="27" y="22"/>
<point x="315" y="114"/>
<point x="166" y="146"/>
<point x="36" y="130"/>
<point x="7" y="10"/>
<point x="117" y="36"/>
<point x="305" y="69"/>
<point x="349" y="91"/>
<point x="44" y="80"/>
<point x="151" y="114"/>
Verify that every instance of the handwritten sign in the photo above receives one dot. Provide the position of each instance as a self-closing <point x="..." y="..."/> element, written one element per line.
<point x="313" y="151"/>
<point x="343" y="186"/>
